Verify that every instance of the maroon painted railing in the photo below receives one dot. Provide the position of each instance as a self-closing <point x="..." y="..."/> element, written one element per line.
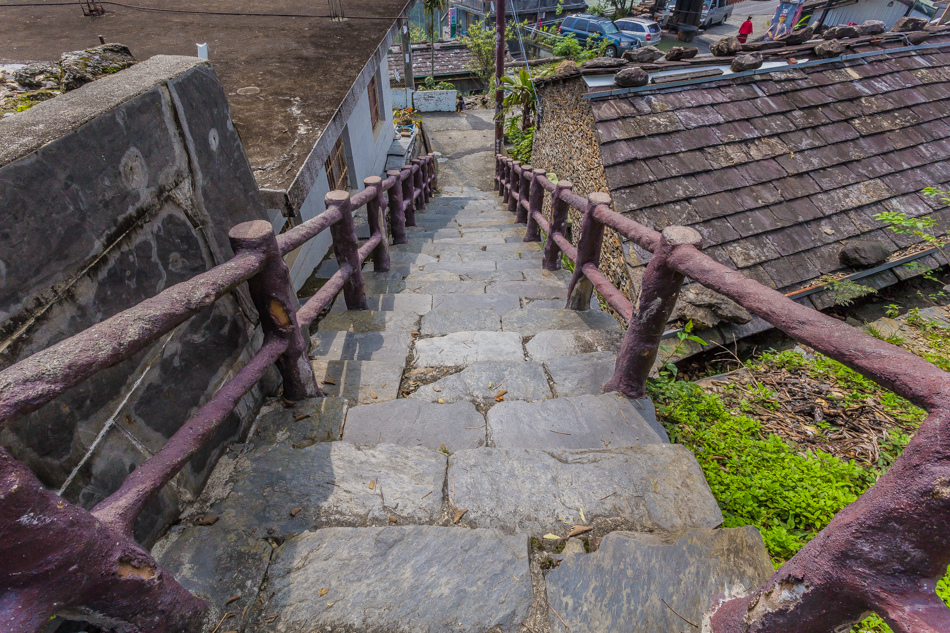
<point x="59" y="559"/>
<point x="884" y="552"/>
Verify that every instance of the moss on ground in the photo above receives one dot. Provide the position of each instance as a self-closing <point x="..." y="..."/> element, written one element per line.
<point x="789" y="492"/>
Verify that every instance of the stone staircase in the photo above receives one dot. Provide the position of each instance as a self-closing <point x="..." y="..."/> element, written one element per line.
<point x="465" y="472"/>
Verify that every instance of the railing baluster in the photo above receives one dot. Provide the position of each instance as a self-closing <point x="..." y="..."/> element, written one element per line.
<point x="498" y="166"/>
<point x="276" y="302"/>
<point x="409" y="205"/>
<point x="346" y="249"/>
<point x="505" y="178"/>
<point x="559" y="209"/>
<point x="377" y="224"/>
<point x="524" y="193"/>
<point x="535" y="204"/>
<point x="433" y="173"/>
<point x="514" y="189"/>
<point x="419" y="190"/>
<point x="397" y="213"/>
<point x="658" y="292"/>
<point x="589" y="246"/>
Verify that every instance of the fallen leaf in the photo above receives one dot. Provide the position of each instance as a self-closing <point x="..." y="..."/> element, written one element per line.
<point x="207" y="520"/>
<point x="372" y="394"/>
<point x="436" y="389"/>
<point x="441" y="401"/>
<point x="579" y="529"/>
<point x="372" y="485"/>
<point x="324" y="592"/>
<point x="329" y="381"/>
<point x="490" y="383"/>
<point x="443" y="449"/>
<point x="393" y="519"/>
<point x="232" y="599"/>
<point x="581" y="512"/>
<point x="458" y="515"/>
<point x="294" y="512"/>
<point x="501" y="393"/>
<point x="551" y="537"/>
<point x="302" y="416"/>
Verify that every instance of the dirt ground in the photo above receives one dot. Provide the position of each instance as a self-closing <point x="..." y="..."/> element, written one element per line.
<point x="285" y="76"/>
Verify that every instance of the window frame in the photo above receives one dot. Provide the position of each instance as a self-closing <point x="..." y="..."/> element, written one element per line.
<point x="337" y="161"/>
<point x="375" y="112"/>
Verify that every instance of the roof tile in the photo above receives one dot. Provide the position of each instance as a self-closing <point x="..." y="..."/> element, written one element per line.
<point x="758" y="274"/>
<point x="797" y="186"/>
<point x="716" y="231"/>
<point x="792" y="239"/>
<point x="807" y="118"/>
<point x="718" y="254"/>
<point x="834" y="177"/>
<point x="735" y="131"/>
<point x="811" y="97"/>
<point x="750" y="251"/>
<point x="768" y="147"/>
<point x="721" y="156"/>
<point x="837" y="132"/>
<point x="790" y="270"/>
<point x="738" y="110"/>
<point x="632" y="198"/>
<point x="698" y="117"/>
<point x="772" y="125"/>
<point x="627" y="175"/>
<point x="659" y="123"/>
<point x="856" y="195"/>
<point x="797" y="210"/>
<point x="774" y="104"/>
<point x="714" y="206"/>
<point x="753" y="222"/>
<point x="800" y="141"/>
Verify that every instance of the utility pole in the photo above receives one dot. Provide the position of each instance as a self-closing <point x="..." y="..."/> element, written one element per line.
<point x="499" y="72"/>
<point x="406" y="43"/>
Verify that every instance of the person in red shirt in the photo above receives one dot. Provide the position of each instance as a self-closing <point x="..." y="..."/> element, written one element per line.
<point x="745" y="30"/>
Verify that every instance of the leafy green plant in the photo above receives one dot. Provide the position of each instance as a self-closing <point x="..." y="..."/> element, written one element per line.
<point x="670" y="370"/>
<point x="520" y="93"/>
<point x="430" y="84"/>
<point x="521" y="140"/>
<point x="845" y="291"/>
<point x="893" y="311"/>
<point x="921" y="227"/>
<point x="480" y="41"/>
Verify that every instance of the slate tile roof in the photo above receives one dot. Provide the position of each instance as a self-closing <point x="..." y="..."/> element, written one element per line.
<point x="776" y="170"/>
<point x="450" y="60"/>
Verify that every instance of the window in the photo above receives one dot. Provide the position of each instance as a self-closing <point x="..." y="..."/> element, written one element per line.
<point x="581" y="25"/>
<point x="336" y="167"/>
<point x="568" y="23"/>
<point x="373" y="91"/>
<point x="610" y="27"/>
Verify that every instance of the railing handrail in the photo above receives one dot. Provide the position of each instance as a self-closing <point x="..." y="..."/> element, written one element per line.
<point x="855" y="555"/>
<point x="258" y="261"/>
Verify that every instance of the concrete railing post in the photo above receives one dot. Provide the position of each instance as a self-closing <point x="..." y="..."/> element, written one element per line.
<point x="515" y="186"/>
<point x="658" y="292"/>
<point x="346" y="248"/>
<point x="588" y="252"/>
<point x="377" y="224"/>
<point x="524" y="193"/>
<point x="559" y="210"/>
<point x="397" y="212"/>
<point x="497" y="184"/>
<point x="505" y="178"/>
<point x="276" y="302"/>
<point x="535" y="203"/>
<point x="64" y="559"/>
<point x="433" y="173"/>
<point x="408" y="204"/>
<point x="418" y="182"/>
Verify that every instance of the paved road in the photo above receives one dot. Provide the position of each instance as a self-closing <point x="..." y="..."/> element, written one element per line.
<point x="761" y="13"/>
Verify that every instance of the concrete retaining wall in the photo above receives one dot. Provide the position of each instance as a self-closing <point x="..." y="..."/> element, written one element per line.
<point x="110" y="194"/>
<point x="434" y="100"/>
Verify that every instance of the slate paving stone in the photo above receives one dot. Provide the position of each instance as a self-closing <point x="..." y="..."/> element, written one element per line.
<point x="494" y="276"/>
<point x="359" y="381"/>
<point x="642" y="488"/>
<point x="623" y="585"/>
<point x="553" y="277"/>
<point x="521" y="381"/>
<point x="530" y="322"/>
<point x="436" y="288"/>
<point x="216" y="564"/>
<point x="582" y="373"/>
<point x="464" y="348"/>
<point x="592" y="421"/>
<point x="498" y="304"/>
<point x="415" y="578"/>
<point x="416" y="423"/>
<point x="529" y="289"/>
<point x="332" y="484"/>
<point x="406" y="302"/>
<point x="303" y="424"/>
<point x="371" y="321"/>
<point x="554" y="343"/>
<point x="441" y="322"/>
<point x="461" y="267"/>
<point x="380" y="346"/>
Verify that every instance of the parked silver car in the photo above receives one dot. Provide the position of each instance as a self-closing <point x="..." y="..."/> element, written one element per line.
<point x="714" y="12"/>
<point x="647" y="31"/>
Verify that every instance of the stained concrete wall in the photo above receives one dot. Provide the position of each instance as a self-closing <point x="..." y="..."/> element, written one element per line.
<point x="110" y="194"/>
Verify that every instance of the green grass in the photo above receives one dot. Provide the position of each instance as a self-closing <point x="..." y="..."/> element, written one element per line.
<point x="760" y="480"/>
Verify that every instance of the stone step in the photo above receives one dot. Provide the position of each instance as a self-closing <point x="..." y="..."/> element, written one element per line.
<point x="406" y="302"/>
<point x="380" y="346"/>
<point x="416" y="423"/>
<point x="529" y="322"/>
<point x="640" y="488"/>
<point x="418" y="578"/>
<point x="464" y="348"/>
<point x="550" y="344"/>
<point x="279" y="491"/>
<point x="371" y="321"/>
<point x="499" y="304"/>
<point x="300" y="425"/>
<point x="442" y="322"/>
<point x="581" y="374"/>
<point x="591" y="421"/>
<point x="359" y="381"/>
<point x="678" y="577"/>
<point x="530" y="289"/>
<point x="483" y="382"/>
